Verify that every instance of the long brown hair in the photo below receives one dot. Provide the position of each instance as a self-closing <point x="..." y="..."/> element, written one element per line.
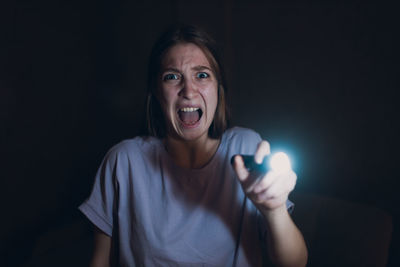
<point x="184" y="34"/>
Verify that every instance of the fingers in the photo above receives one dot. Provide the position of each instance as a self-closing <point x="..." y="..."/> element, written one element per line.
<point x="263" y="150"/>
<point x="264" y="183"/>
<point x="240" y="169"/>
<point x="272" y="179"/>
<point x="247" y="179"/>
<point x="273" y="189"/>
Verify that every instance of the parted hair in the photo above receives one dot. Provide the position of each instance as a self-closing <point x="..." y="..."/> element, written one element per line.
<point x="177" y="34"/>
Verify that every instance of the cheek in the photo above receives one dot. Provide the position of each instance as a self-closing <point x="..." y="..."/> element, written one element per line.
<point x="168" y="107"/>
<point x="165" y="98"/>
<point x="211" y="96"/>
<point x="214" y="98"/>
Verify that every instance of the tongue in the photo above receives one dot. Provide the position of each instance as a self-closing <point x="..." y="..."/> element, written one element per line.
<point x="189" y="117"/>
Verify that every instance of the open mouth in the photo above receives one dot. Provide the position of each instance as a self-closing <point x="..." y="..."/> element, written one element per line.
<point x="190" y="115"/>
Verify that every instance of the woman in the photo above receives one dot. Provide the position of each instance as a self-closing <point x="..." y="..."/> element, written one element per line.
<point x="173" y="198"/>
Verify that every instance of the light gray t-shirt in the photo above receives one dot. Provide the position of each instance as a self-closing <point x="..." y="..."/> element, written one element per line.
<point x="160" y="214"/>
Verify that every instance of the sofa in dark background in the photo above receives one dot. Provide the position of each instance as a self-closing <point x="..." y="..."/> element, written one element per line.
<point x="317" y="79"/>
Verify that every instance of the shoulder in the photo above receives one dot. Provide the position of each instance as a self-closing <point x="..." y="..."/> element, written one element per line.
<point x="241" y="140"/>
<point x="136" y="147"/>
<point x="243" y="134"/>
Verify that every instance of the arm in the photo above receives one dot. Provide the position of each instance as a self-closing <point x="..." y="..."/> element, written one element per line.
<point x="286" y="246"/>
<point x="101" y="250"/>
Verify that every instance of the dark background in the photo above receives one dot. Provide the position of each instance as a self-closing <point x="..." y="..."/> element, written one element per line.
<point x="318" y="79"/>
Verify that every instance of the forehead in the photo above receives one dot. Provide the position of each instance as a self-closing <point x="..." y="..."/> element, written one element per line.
<point x="184" y="54"/>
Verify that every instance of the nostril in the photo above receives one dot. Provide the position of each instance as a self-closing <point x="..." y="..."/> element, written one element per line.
<point x="187" y="91"/>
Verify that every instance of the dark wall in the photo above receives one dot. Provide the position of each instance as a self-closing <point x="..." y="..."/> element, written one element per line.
<point x="318" y="80"/>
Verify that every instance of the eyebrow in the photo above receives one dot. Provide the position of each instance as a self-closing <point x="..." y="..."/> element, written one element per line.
<point x="170" y="69"/>
<point x="199" y="68"/>
<point x="196" y="68"/>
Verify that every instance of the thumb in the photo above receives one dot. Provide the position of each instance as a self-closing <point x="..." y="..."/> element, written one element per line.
<point x="240" y="168"/>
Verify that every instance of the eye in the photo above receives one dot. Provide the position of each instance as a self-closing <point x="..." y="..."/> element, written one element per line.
<point x="170" y="76"/>
<point x="202" y="75"/>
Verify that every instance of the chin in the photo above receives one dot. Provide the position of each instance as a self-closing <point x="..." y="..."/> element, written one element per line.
<point x="191" y="133"/>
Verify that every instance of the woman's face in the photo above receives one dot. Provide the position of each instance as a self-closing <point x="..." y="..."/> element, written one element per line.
<point x="188" y="92"/>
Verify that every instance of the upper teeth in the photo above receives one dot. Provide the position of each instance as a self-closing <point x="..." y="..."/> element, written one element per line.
<point x="189" y="109"/>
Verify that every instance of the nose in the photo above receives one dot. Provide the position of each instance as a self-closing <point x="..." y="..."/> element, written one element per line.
<point x="188" y="90"/>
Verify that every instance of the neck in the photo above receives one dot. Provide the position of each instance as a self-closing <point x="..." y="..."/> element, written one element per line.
<point x="191" y="154"/>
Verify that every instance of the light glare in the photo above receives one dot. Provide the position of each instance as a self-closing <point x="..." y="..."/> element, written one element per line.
<point x="280" y="162"/>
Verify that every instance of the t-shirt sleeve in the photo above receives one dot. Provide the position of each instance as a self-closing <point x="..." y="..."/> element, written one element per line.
<point x="99" y="207"/>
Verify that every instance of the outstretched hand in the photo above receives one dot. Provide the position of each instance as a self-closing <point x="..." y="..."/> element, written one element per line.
<point x="271" y="191"/>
